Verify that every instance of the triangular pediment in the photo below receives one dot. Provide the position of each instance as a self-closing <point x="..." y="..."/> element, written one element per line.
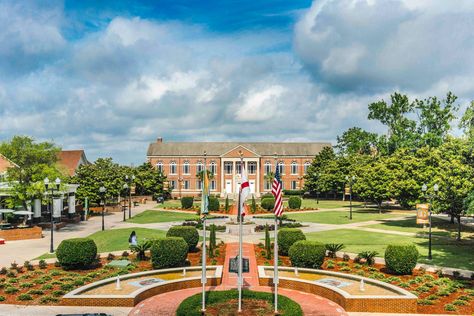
<point x="235" y="153"/>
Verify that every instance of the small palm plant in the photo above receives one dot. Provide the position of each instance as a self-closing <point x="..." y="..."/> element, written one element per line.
<point x="140" y="249"/>
<point x="368" y="256"/>
<point x="333" y="248"/>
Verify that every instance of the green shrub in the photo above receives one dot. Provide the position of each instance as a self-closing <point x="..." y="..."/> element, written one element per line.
<point x="58" y="293"/>
<point x="42" y="264"/>
<point x="168" y="252"/>
<point x="76" y="253"/>
<point x="24" y="297"/>
<point x="67" y="287"/>
<point x="78" y="282"/>
<point x="333" y="248"/>
<point x="191" y="306"/>
<point x="2" y="298"/>
<point x="268" y="203"/>
<point x="450" y="307"/>
<point x="213" y="204"/>
<point x="294" y="202"/>
<point x="401" y="258"/>
<point x="35" y="292"/>
<point x="368" y="256"/>
<point x="460" y="302"/>
<point x="47" y="299"/>
<point x="188" y="233"/>
<point x="253" y="205"/>
<point x="425" y="302"/>
<point x="26" y="285"/>
<point x="287" y="237"/>
<point x="11" y="290"/>
<point x="47" y="287"/>
<point x="187" y="202"/>
<point x="307" y="254"/>
<point x="140" y="248"/>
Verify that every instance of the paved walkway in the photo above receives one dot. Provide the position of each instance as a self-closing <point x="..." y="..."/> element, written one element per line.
<point x="22" y="250"/>
<point x="167" y="303"/>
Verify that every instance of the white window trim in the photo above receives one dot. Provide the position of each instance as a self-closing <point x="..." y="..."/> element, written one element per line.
<point x="175" y="168"/>
<point x="294" y="164"/>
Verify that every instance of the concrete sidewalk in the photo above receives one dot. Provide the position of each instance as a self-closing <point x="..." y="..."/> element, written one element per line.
<point x="25" y="310"/>
<point x="22" y="250"/>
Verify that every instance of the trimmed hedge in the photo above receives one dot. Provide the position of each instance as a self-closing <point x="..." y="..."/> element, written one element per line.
<point x="168" y="252"/>
<point x="401" y="258"/>
<point x="191" y="306"/>
<point x="307" y="254"/>
<point x="76" y="253"/>
<point x="213" y="204"/>
<point x="294" y="202"/>
<point x="287" y="237"/>
<point x="188" y="233"/>
<point x="187" y="202"/>
<point x="293" y="192"/>
<point x="268" y="203"/>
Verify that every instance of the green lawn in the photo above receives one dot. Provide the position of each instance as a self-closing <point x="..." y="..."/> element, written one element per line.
<point x="155" y="216"/>
<point x="327" y="204"/>
<point x="440" y="227"/>
<point x="446" y="252"/>
<point x="340" y="217"/>
<point x="117" y="239"/>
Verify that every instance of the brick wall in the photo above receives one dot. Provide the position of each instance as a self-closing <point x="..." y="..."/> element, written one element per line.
<point x="21" y="234"/>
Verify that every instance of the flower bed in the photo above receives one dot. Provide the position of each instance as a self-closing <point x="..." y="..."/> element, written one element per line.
<point x="436" y="294"/>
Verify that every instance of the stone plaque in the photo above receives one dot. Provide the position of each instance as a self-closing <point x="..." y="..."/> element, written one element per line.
<point x="234" y="265"/>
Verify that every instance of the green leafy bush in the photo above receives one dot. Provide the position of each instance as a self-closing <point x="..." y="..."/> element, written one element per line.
<point x="140" y="248"/>
<point x="307" y="254"/>
<point x="213" y="204"/>
<point x="287" y="237"/>
<point x="76" y="253"/>
<point x="48" y="299"/>
<point x="368" y="256"/>
<point x="35" y="292"/>
<point x="58" y="293"/>
<point x="188" y="233"/>
<point x="268" y="203"/>
<point x="192" y="305"/>
<point x="168" y="252"/>
<point x="333" y="248"/>
<point x="24" y="297"/>
<point x="450" y="307"/>
<point x="187" y="202"/>
<point x="401" y="258"/>
<point x="11" y="290"/>
<point x="2" y="298"/>
<point x="294" y="202"/>
<point x="42" y="264"/>
<point x="25" y="285"/>
<point x="47" y="287"/>
<point x="67" y="287"/>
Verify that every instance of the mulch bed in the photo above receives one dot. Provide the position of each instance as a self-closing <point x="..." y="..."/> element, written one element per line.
<point x="413" y="283"/>
<point x="252" y="307"/>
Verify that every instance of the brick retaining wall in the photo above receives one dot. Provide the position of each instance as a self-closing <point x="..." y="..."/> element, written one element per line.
<point x="21" y="233"/>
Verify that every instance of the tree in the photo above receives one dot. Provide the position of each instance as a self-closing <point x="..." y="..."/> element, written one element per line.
<point x="357" y="141"/>
<point x="148" y="180"/>
<point x="435" y="119"/>
<point x="35" y="162"/>
<point x="200" y="175"/>
<point x="467" y="122"/>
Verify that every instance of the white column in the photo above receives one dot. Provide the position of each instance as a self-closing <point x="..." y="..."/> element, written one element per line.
<point x="257" y="191"/>
<point x="222" y="178"/>
<point x="37" y="208"/>
<point x="56" y="208"/>
<point x="72" y="204"/>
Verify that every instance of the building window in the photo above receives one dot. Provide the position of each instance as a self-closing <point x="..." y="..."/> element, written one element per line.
<point x="268" y="185"/>
<point x="186" y="167"/>
<point x="293" y="185"/>
<point x="213" y="185"/>
<point x="306" y="166"/>
<point x="238" y="167"/>
<point x="281" y="167"/>
<point x="228" y="167"/>
<point x="200" y="167"/>
<point x="213" y="168"/>
<point x="294" y="168"/>
<point x="186" y="184"/>
<point x="252" y="165"/>
<point x="268" y="167"/>
<point x="172" y="184"/>
<point x="199" y="184"/>
<point x="173" y="167"/>
<point x="159" y="166"/>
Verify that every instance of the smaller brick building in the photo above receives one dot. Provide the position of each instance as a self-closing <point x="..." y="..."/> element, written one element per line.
<point x="182" y="161"/>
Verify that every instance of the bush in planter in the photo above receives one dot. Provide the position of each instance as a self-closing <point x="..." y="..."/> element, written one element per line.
<point x="401" y="258"/>
<point x="287" y="237"/>
<point x="307" y="254"/>
<point x="168" y="252"/>
<point x="268" y="203"/>
<point x="76" y="253"/>
<point x="294" y="202"/>
<point x="213" y="204"/>
<point x="187" y="202"/>
<point x="188" y="233"/>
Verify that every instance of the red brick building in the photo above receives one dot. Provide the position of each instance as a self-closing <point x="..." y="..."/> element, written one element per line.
<point x="182" y="161"/>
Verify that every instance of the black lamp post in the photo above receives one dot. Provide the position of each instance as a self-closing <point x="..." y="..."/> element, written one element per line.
<point x="102" y="190"/>
<point x="424" y="188"/>
<point x="124" y="206"/>
<point x="52" y="188"/>
<point x="317" y="192"/>
<point x="129" y="180"/>
<point x="351" y="181"/>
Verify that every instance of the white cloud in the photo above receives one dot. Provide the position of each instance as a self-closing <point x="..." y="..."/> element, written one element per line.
<point x="259" y="105"/>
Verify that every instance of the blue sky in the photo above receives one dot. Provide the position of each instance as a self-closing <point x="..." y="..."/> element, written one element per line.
<point x="111" y="76"/>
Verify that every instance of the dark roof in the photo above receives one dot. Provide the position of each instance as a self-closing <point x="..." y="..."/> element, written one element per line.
<point x="220" y="148"/>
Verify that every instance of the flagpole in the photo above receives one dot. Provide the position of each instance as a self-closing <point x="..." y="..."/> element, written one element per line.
<point x="204" y="214"/>
<point x="240" y="281"/>
<point x="275" y="254"/>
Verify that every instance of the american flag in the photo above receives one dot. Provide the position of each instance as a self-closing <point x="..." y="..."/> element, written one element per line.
<point x="276" y="191"/>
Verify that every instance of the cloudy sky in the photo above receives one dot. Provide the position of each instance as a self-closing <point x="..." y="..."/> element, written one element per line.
<point x="111" y="76"/>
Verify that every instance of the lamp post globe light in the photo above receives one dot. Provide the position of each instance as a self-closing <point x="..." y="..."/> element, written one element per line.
<point x="129" y="181"/>
<point x="102" y="191"/>
<point x="424" y="189"/>
<point x="351" y="182"/>
<point x="51" y="187"/>
<point x="124" y="206"/>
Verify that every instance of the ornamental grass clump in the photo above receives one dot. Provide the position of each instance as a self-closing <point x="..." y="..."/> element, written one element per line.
<point x="188" y="233"/>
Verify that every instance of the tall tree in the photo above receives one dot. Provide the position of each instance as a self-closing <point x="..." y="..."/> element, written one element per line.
<point x="467" y="122"/>
<point x="357" y="141"/>
<point x="149" y="180"/>
<point x="35" y="162"/>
